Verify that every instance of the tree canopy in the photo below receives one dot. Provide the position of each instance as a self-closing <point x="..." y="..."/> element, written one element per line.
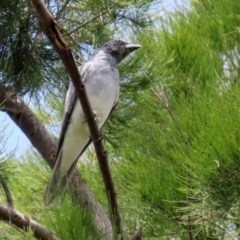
<point x="173" y="141"/>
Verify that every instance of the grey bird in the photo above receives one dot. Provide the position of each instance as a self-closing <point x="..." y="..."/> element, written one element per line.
<point x="102" y="82"/>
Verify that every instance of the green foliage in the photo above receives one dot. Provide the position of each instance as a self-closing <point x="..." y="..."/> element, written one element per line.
<point x="27" y="61"/>
<point x="27" y="184"/>
<point x="19" y="62"/>
<point x="180" y="147"/>
<point x="71" y="222"/>
<point x="174" y="139"/>
<point x="31" y="66"/>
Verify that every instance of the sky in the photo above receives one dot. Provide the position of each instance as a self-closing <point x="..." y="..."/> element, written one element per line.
<point x="15" y="142"/>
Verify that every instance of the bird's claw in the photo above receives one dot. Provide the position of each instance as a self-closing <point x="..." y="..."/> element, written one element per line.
<point x="96" y="118"/>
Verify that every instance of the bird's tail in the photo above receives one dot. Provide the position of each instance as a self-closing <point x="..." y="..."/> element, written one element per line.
<point x="58" y="183"/>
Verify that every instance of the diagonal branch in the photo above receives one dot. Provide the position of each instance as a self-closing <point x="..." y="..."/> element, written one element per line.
<point x="53" y="31"/>
<point x="19" y="220"/>
<point x="7" y="193"/>
<point x="40" y="138"/>
<point x="23" y="117"/>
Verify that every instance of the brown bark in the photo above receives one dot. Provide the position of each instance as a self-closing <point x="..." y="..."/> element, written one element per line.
<point x="40" y="138"/>
<point x="25" y="119"/>
<point x="19" y="220"/>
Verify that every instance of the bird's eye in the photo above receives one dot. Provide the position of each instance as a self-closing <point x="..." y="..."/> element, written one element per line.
<point x="115" y="53"/>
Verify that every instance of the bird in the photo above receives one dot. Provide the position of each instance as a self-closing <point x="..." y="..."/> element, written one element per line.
<point x="101" y="79"/>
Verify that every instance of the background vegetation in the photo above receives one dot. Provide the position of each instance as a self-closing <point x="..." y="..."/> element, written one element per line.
<point x="174" y="140"/>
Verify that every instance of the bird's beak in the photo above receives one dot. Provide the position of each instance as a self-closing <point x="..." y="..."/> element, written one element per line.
<point x="132" y="47"/>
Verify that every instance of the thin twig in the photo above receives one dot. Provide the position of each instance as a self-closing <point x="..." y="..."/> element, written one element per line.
<point x="164" y="99"/>
<point x="165" y="102"/>
<point x="87" y="22"/>
<point x="62" y="9"/>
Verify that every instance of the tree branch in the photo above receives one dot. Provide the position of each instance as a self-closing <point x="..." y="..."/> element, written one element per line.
<point x="137" y="235"/>
<point x="53" y="31"/>
<point x="25" y="119"/>
<point x="19" y="220"/>
<point x="7" y="193"/>
<point x="40" y="138"/>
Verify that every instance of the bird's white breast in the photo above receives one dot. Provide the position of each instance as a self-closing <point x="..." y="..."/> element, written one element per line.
<point x="101" y="81"/>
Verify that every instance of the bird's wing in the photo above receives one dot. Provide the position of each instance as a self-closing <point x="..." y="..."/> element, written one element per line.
<point x="70" y="102"/>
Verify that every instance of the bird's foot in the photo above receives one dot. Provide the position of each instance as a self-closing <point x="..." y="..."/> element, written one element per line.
<point x="96" y="118"/>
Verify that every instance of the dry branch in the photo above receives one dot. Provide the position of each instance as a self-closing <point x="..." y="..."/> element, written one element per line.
<point x="21" y="221"/>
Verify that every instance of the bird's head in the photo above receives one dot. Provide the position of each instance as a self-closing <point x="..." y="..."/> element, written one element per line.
<point x="119" y="49"/>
